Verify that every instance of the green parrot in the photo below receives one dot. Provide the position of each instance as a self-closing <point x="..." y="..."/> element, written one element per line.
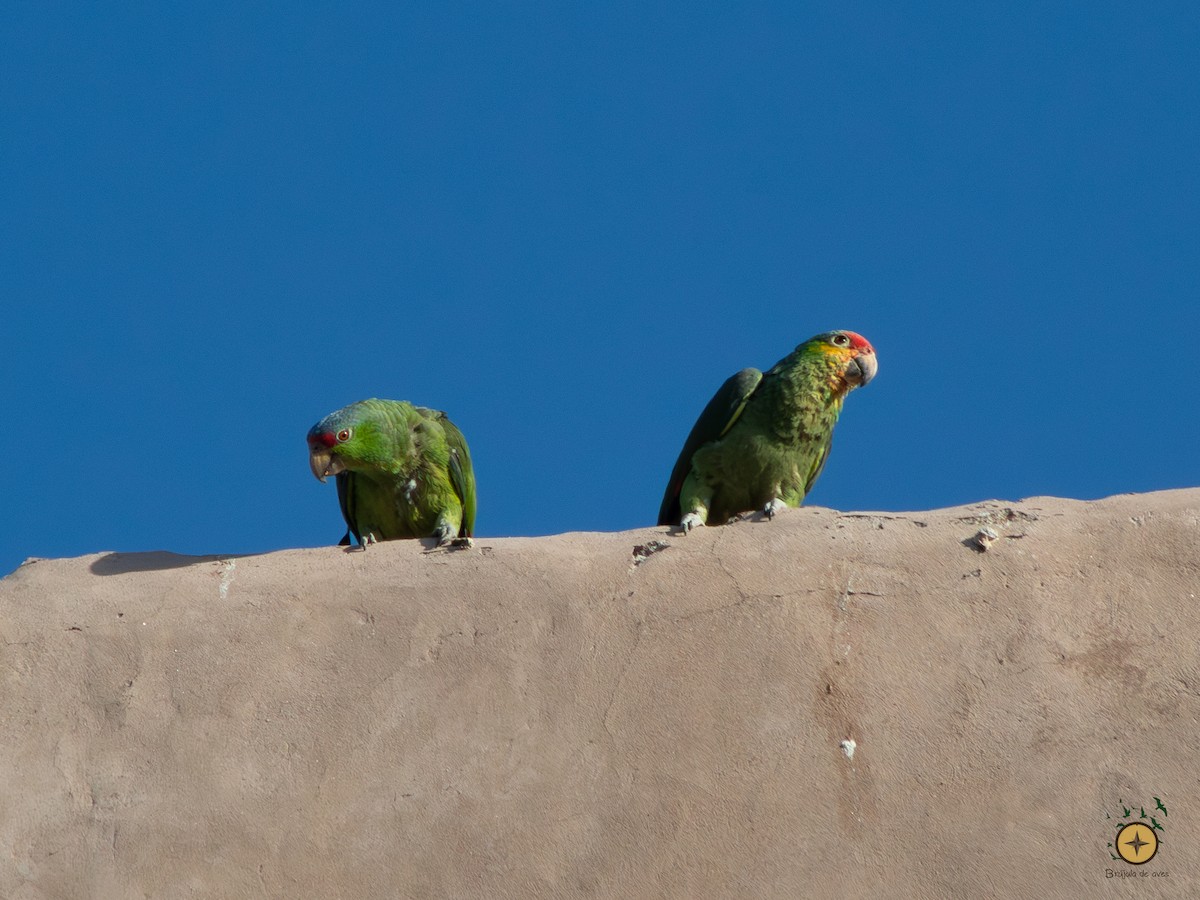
<point x="763" y="439"/>
<point x="403" y="471"/>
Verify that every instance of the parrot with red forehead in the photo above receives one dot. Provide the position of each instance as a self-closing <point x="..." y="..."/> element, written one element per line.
<point x="763" y="439"/>
<point x="402" y="471"/>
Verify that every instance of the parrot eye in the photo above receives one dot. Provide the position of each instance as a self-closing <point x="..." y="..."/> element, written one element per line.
<point x="841" y="340"/>
<point x="343" y="435"/>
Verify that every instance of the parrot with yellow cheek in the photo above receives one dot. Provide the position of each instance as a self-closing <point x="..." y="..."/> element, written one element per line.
<point x="763" y="439"/>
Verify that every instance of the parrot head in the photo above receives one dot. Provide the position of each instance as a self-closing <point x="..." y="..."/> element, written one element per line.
<point x="849" y="355"/>
<point x="342" y="440"/>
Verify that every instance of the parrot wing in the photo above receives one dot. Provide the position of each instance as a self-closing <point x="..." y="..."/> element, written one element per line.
<point x="345" y="492"/>
<point x="820" y="464"/>
<point x="718" y="417"/>
<point x="462" y="475"/>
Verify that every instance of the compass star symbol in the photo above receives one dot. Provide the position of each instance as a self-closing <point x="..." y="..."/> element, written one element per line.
<point x="1137" y="844"/>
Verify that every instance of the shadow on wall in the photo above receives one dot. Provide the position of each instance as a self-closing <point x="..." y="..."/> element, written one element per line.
<point x="124" y="563"/>
<point x="160" y="560"/>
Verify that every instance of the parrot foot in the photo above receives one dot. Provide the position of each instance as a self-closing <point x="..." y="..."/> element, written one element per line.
<point x="449" y="545"/>
<point x="369" y="538"/>
<point x="447" y="538"/>
<point x="774" y="507"/>
<point x="690" y="522"/>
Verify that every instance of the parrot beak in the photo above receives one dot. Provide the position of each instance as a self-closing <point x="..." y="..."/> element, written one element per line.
<point x="860" y="369"/>
<point x="324" y="462"/>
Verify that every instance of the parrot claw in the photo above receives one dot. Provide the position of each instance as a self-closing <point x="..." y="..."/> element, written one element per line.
<point x="690" y="522"/>
<point x="369" y="538"/>
<point x="773" y="508"/>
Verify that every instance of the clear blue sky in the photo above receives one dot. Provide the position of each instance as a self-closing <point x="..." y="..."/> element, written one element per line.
<point x="566" y="225"/>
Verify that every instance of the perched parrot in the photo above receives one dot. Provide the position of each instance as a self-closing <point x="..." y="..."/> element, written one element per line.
<point x="403" y="471"/>
<point x="763" y="439"/>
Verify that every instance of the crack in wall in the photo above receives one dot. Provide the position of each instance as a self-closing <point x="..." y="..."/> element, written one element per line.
<point x="640" y="629"/>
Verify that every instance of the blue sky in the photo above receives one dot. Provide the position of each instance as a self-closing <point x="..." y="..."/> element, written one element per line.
<point x="566" y="225"/>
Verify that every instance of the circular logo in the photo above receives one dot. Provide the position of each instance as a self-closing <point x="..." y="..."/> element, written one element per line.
<point x="1137" y="843"/>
